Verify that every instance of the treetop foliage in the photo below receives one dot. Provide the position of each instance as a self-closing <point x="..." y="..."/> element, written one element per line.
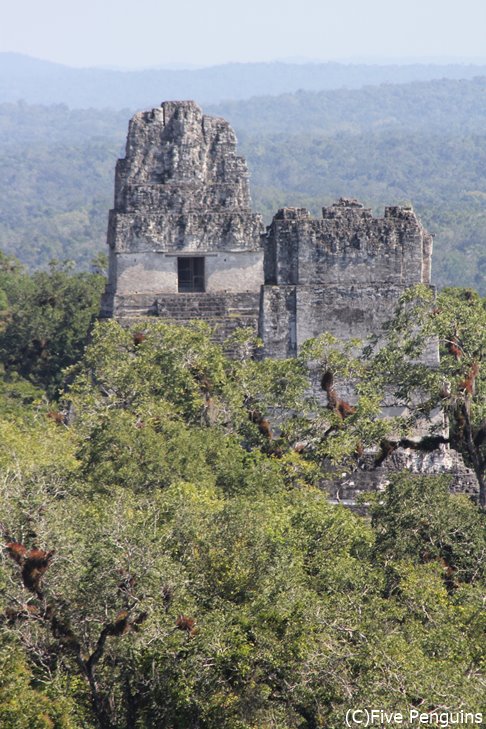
<point x="45" y="319"/>
<point x="168" y="556"/>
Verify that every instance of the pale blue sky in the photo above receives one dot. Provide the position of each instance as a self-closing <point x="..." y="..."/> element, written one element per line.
<point x="141" y="33"/>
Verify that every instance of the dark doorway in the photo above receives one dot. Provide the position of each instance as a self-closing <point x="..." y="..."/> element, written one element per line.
<point x="190" y="272"/>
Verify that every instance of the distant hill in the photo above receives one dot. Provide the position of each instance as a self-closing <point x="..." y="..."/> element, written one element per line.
<point x="42" y="82"/>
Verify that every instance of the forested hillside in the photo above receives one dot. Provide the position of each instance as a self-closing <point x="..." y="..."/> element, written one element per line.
<point x="44" y="82"/>
<point x="56" y="180"/>
<point x="440" y="106"/>
<point x="423" y="143"/>
<point x="442" y="175"/>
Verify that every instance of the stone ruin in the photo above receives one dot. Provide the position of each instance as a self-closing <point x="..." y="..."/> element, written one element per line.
<point x="185" y="245"/>
<point x="184" y="242"/>
<point x="342" y="273"/>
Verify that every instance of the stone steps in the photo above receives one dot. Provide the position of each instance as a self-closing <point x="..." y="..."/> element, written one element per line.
<point x="224" y="312"/>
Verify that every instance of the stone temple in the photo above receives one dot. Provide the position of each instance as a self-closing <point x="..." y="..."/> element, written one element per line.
<point x="185" y="245"/>
<point x="184" y="242"/>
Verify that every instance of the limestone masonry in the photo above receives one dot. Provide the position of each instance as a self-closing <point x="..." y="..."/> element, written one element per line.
<point x="342" y="273"/>
<point x="185" y="244"/>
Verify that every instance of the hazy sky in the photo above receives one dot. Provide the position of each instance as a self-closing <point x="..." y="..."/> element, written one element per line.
<point x="141" y="33"/>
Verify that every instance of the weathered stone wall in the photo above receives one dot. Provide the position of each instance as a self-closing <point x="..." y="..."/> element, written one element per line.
<point x="225" y="313"/>
<point x="344" y="273"/>
<point x="156" y="272"/>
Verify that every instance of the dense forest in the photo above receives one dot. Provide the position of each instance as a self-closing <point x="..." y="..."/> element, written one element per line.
<point x="422" y="143"/>
<point x="168" y="562"/>
<point x="56" y="181"/>
<point x="443" y="105"/>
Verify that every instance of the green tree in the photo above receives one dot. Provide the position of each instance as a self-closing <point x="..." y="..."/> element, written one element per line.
<point x="418" y="519"/>
<point x="47" y="320"/>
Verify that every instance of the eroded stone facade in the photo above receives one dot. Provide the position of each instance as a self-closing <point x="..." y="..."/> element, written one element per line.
<point x="342" y="273"/>
<point x="184" y="242"/>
